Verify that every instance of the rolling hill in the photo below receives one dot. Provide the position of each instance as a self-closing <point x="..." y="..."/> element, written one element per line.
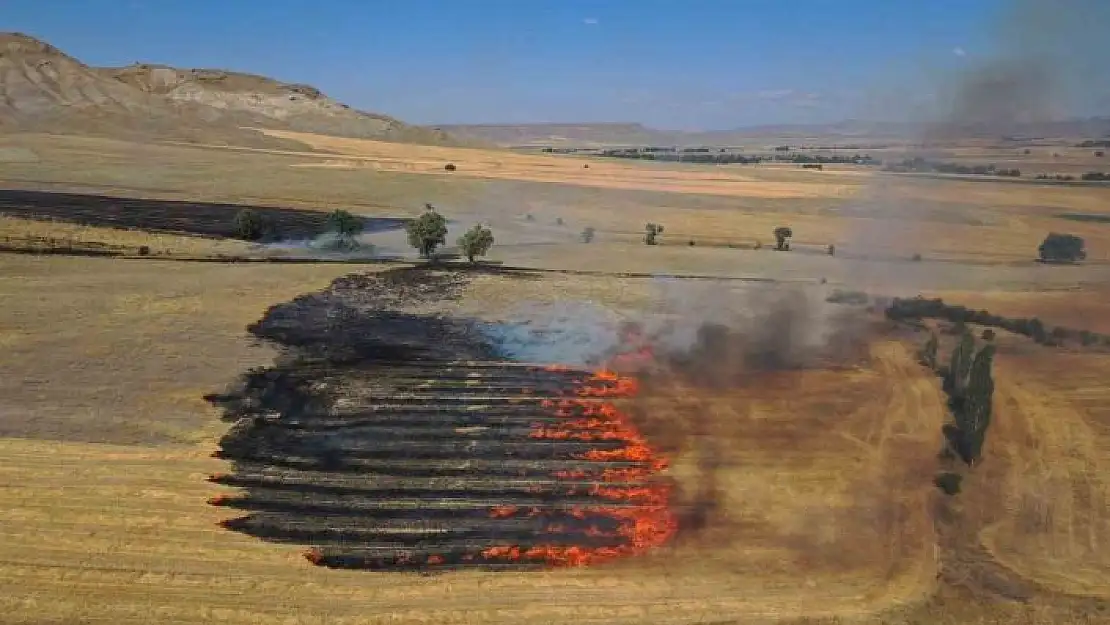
<point x="45" y="89"/>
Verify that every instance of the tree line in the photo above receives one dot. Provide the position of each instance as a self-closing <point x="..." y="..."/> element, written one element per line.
<point x="920" y="308"/>
<point x="424" y="233"/>
<point x="922" y="165"/>
<point x="732" y="157"/>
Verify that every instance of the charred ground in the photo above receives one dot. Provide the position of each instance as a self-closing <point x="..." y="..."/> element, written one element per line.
<point x="208" y="219"/>
<point x="391" y="440"/>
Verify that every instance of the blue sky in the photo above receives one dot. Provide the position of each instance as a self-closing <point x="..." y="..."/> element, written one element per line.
<point x="692" y="64"/>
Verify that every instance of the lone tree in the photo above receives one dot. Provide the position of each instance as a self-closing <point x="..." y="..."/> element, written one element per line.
<point x="476" y="242"/>
<point x="345" y="226"/>
<point x="427" y="232"/>
<point x="588" y="234"/>
<point x="782" y="234"/>
<point x="249" y="225"/>
<point x="652" y="232"/>
<point x="1062" y="248"/>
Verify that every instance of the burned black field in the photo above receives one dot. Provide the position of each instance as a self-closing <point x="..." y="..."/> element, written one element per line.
<point x="386" y="440"/>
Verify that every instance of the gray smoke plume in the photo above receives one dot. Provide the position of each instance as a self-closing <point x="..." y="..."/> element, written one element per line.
<point x="702" y="330"/>
<point x="1046" y="63"/>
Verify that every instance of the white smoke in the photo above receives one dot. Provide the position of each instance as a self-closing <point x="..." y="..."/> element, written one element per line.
<point x="776" y="325"/>
<point x="567" y="333"/>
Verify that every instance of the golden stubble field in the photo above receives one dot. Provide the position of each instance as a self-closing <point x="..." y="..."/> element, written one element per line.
<point x="121" y="532"/>
<point x="827" y="507"/>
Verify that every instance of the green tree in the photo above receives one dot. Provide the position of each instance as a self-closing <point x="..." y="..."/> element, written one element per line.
<point x="782" y="236"/>
<point x="1062" y="248"/>
<point x="978" y="405"/>
<point x="427" y="232"/>
<point x="476" y="242"/>
<point x="652" y="232"/>
<point x="345" y="226"/>
<point x="249" y="225"/>
<point x="959" y="367"/>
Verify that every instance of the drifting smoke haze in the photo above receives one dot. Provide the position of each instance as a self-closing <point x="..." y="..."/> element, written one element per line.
<point x="705" y="360"/>
<point x="698" y="330"/>
<point x="701" y="354"/>
<point x="1045" y="62"/>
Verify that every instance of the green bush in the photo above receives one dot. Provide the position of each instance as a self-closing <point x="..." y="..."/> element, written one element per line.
<point x="476" y="242"/>
<point x="949" y="483"/>
<point x="249" y="225"/>
<point x="345" y="226"/>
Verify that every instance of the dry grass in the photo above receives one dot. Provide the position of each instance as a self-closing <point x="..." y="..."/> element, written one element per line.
<point x="124" y="533"/>
<point x="1053" y="436"/>
<point x="32" y="233"/>
<point x="123" y="350"/>
<point x="1042" y="501"/>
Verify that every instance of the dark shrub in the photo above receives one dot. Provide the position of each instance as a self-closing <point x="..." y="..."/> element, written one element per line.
<point x="783" y="234"/>
<point x="948" y="483"/>
<point x="1062" y="248"/>
<point x="249" y="225"/>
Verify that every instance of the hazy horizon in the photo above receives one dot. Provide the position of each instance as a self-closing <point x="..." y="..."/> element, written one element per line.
<point x="693" y="66"/>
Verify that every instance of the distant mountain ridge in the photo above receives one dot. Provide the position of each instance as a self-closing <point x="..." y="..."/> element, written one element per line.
<point x="42" y="88"/>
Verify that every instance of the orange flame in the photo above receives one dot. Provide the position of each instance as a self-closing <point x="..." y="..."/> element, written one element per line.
<point x="646" y="522"/>
<point x="314" y="556"/>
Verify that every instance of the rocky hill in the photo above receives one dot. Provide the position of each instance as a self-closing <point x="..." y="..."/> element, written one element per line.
<point x="44" y="89"/>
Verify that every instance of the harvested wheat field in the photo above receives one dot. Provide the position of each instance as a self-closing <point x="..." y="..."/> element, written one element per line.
<point x="269" y="357"/>
<point x="312" y="442"/>
<point x="336" y="152"/>
<point x="772" y="545"/>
